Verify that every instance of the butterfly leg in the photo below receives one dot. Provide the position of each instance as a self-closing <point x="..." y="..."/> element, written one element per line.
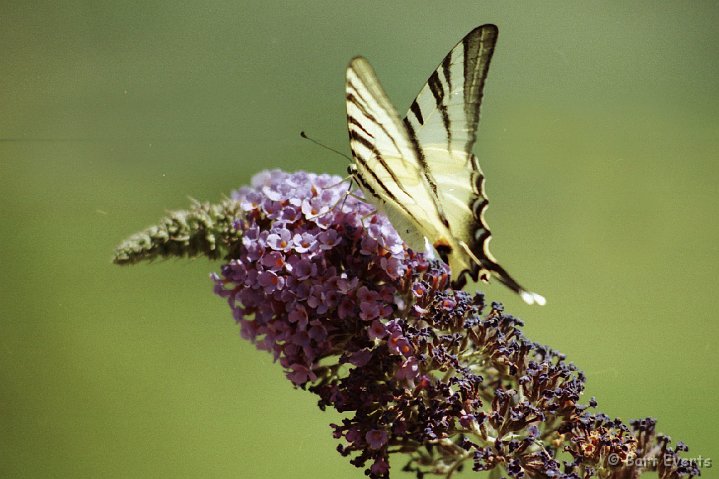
<point x="349" y="193"/>
<point x="346" y="178"/>
<point x="344" y="196"/>
<point x="349" y="190"/>
<point x="351" y="172"/>
<point x="367" y="216"/>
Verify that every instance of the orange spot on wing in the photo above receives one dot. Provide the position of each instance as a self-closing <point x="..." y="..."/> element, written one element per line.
<point x="443" y="248"/>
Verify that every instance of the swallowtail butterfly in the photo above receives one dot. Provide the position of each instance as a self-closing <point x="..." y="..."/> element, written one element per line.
<point x="421" y="171"/>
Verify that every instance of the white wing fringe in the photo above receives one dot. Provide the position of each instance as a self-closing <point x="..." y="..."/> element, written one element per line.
<point x="533" y="298"/>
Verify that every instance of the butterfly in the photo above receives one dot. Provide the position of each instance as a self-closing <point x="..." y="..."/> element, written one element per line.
<point x="420" y="171"/>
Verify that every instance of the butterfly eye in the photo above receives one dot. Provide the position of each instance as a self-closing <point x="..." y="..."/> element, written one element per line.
<point x="351" y="169"/>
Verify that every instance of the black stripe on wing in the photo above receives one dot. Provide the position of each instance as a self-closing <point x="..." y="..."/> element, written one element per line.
<point x="478" y="49"/>
<point x="355" y="136"/>
<point x="429" y="179"/>
<point x="417" y="112"/>
<point x="354" y="97"/>
<point x="435" y="86"/>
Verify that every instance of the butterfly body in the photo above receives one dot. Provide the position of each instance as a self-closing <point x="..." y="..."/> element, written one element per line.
<point x="420" y="170"/>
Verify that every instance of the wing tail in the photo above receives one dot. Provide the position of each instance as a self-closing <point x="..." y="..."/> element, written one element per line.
<point x="506" y="279"/>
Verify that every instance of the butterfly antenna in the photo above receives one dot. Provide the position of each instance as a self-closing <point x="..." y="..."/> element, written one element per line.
<point x="304" y="135"/>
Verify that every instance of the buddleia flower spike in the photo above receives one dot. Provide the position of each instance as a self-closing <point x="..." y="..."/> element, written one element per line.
<point x="427" y="378"/>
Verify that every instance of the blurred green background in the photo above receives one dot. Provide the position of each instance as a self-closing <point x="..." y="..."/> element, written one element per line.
<point x="599" y="138"/>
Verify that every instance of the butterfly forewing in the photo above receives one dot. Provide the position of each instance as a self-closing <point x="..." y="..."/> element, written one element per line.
<point x="387" y="165"/>
<point x="446" y="112"/>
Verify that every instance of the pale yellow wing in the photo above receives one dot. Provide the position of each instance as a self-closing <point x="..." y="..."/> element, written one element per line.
<point x="387" y="166"/>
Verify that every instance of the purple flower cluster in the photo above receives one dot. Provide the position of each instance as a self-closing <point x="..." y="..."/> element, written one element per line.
<point x="315" y="272"/>
<point x="419" y="368"/>
<point x="372" y="328"/>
